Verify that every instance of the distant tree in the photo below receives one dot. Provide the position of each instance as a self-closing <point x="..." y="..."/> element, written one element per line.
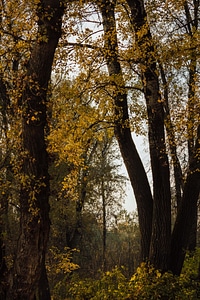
<point x="86" y="183"/>
<point x="123" y="243"/>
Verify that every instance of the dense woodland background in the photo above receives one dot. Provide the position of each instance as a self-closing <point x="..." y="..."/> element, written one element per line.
<point x="78" y="79"/>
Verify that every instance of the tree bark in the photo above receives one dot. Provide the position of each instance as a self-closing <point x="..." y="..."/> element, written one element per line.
<point x="104" y="226"/>
<point x="187" y="211"/>
<point x="178" y="176"/>
<point x="34" y="205"/>
<point x="5" y="163"/>
<point x="192" y="28"/>
<point x="128" y="150"/>
<point x="161" y="226"/>
<point x="43" y="286"/>
<point x="185" y="228"/>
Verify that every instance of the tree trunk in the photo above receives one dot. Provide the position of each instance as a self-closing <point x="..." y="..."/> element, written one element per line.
<point x="5" y="164"/>
<point x="178" y="176"/>
<point x="104" y="225"/>
<point x="43" y="286"/>
<point x="74" y="236"/>
<point x="192" y="244"/>
<point x="185" y="228"/>
<point x="187" y="212"/>
<point x="3" y="267"/>
<point x="161" y="226"/>
<point x="128" y="150"/>
<point x="34" y="221"/>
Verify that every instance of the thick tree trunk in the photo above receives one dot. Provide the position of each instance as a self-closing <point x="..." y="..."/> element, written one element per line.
<point x="187" y="212"/>
<point x="185" y="228"/>
<point x="161" y="226"/>
<point x="5" y="164"/>
<point x="128" y="150"/>
<point x="161" y="230"/>
<point x="192" y="244"/>
<point x="3" y="231"/>
<point x="43" y="286"/>
<point x="34" y="222"/>
<point x="3" y="267"/>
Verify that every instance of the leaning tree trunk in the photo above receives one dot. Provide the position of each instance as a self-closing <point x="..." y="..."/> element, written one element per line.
<point x="161" y="226"/>
<point x="34" y="205"/>
<point x="187" y="207"/>
<point x="128" y="150"/>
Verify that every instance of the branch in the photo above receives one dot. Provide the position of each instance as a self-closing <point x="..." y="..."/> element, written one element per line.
<point x="81" y="45"/>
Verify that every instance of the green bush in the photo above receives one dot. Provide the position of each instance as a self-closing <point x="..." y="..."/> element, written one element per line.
<point x="111" y="285"/>
<point x="146" y="283"/>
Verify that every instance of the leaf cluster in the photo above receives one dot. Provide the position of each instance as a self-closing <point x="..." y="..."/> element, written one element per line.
<point x="146" y="283"/>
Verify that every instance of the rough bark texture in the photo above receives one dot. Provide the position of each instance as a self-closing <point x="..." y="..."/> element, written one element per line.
<point x="5" y="163"/>
<point x="187" y="212"/>
<point x="3" y="267"/>
<point x="43" y="292"/>
<point x="161" y="226"/>
<point x="34" y="222"/>
<point x="185" y="228"/>
<point x="128" y="150"/>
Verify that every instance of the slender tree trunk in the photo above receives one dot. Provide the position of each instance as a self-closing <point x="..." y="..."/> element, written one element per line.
<point x="74" y="236"/>
<point x="34" y="221"/>
<point x="128" y="150"/>
<point x="104" y="225"/>
<point x="178" y="177"/>
<point x="161" y="226"/>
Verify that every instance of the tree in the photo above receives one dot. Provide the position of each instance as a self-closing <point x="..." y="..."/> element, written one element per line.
<point x="123" y="243"/>
<point x="146" y="56"/>
<point x="161" y="224"/>
<point x="136" y="63"/>
<point x="130" y="155"/>
<point x="87" y="183"/>
<point x="24" y="277"/>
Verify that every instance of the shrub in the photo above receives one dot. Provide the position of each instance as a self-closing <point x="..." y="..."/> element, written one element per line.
<point x="146" y="283"/>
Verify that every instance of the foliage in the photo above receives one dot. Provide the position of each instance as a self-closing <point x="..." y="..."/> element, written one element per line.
<point x="111" y="285"/>
<point x="83" y="104"/>
<point x="149" y="283"/>
<point x="146" y="283"/>
<point x="59" y="266"/>
<point x="60" y="262"/>
<point x="191" y="265"/>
